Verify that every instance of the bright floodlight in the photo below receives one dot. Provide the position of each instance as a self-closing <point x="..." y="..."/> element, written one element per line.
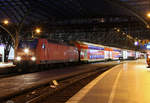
<point x="136" y="43"/>
<point x="148" y="15"/>
<point x="18" y="58"/>
<point x="148" y="46"/>
<point x="26" y="50"/>
<point x="33" y="58"/>
<point x="6" y="22"/>
<point x="38" y="30"/>
<point x="118" y="30"/>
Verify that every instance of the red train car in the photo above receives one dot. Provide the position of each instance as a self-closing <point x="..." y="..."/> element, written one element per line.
<point x="90" y="52"/>
<point x="43" y="51"/>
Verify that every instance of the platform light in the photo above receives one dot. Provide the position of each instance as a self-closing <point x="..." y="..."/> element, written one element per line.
<point x="148" y="14"/>
<point x="135" y="43"/>
<point x="5" y="22"/>
<point x="148" y="46"/>
<point x="147" y="26"/>
<point x="38" y="30"/>
<point x="123" y="33"/>
<point x="26" y="50"/>
<point x="118" y="30"/>
<point x="18" y="58"/>
<point x="33" y="58"/>
<point x="115" y="28"/>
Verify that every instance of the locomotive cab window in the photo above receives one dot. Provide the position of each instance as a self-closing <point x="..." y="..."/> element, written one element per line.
<point x="43" y="46"/>
<point x="28" y="44"/>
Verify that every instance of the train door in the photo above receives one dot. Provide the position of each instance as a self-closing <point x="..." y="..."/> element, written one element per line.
<point x="106" y="55"/>
<point x="137" y="55"/>
<point x="84" y="54"/>
<point x="110" y="55"/>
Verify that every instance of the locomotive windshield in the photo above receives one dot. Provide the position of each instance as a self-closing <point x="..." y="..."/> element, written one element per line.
<point x="28" y="44"/>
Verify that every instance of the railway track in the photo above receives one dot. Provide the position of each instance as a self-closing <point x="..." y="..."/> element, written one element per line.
<point x="59" y="93"/>
<point x="8" y="75"/>
<point x="8" y="72"/>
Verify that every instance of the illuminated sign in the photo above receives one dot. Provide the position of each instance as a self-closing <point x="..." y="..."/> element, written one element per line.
<point x="148" y="46"/>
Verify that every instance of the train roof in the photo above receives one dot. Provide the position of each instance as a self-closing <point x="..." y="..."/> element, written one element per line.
<point x="67" y="43"/>
<point x="91" y="44"/>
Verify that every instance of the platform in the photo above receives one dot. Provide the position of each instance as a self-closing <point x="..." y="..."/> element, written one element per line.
<point x="6" y="65"/>
<point x="125" y="83"/>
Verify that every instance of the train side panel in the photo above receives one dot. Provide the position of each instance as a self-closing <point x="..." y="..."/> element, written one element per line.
<point x="83" y="51"/>
<point x="116" y="53"/>
<point x="95" y="53"/>
<point x="48" y="52"/>
<point x="90" y="52"/>
<point x="124" y="54"/>
<point x="108" y="53"/>
<point x="131" y="54"/>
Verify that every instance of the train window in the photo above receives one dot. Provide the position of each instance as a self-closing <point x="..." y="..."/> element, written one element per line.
<point x="43" y="46"/>
<point x="28" y="44"/>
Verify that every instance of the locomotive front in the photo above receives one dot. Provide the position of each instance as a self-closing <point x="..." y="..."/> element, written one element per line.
<point x="26" y="53"/>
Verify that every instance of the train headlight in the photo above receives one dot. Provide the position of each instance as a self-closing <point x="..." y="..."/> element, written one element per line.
<point x="18" y="58"/>
<point x="26" y="50"/>
<point x="33" y="58"/>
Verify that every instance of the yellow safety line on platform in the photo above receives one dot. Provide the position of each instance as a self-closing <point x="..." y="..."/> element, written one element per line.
<point x="77" y="97"/>
<point x="111" y="97"/>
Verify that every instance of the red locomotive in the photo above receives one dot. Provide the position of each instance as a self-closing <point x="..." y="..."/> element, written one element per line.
<point x="43" y="51"/>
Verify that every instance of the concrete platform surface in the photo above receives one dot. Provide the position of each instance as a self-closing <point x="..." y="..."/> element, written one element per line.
<point x="125" y="83"/>
<point x="6" y="65"/>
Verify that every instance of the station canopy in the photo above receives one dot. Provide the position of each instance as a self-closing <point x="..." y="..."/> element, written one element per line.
<point x="114" y="13"/>
<point x="50" y="10"/>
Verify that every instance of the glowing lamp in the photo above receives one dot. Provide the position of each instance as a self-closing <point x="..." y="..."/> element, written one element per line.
<point x="118" y="30"/>
<point x="18" y="58"/>
<point x="148" y="46"/>
<point x="148" y="15"/>
<point x="33" y="58"/>
<point x="136" y="43"/>
<point x="38" y="30"/>
<point x="6" y="22"/>
<point x="26" y="50"/>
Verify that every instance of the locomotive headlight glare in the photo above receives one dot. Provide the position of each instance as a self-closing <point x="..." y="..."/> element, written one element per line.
<point x="26" y="50"/>
<point x="33" y="58"/>
<point x="18" y="58"/>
